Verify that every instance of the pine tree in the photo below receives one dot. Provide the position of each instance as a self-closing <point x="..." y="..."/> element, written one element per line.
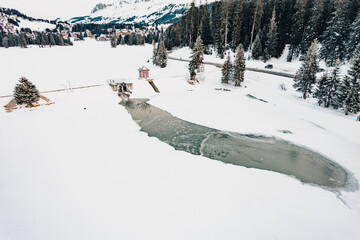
<point x="349" y="91"/>
<point x="197" y="58"/>
<point x="327" y="88"/>
<point x="306" y="76"/>
<point x="225" y="22"/>
<point x="353" y="45"/>
<point x="5" y="42"/>
<point x="237" y="23"/>
<point x="44" y="39"/>
<point x="194" y="23"/>
<point x="113" y="41"/>
<point x="216" y="28"/>
<point x="119" y="39"/>
<point x="23" y="42"/>
<point x="285" y="11"/>
<point x="259" y="11"/>
<point x="321" y="90"/>
<point x="271" y="43"/>
<point x="297" y="28"/>
<point x="205" y="29"/>
<point x="26" y="93"/>
<point x="316" y="25"/>
<point x="61" y="40"/>
<point x="332" y="85"/>
<point x="161" y="55"/>
<point x="52" y="39"/>
<point x="336" y="35"/>
<point x="256" y="52"/>
<point x="122" y="41"/>
<point x="155" y="52"/>
<point x="226" y="70"/>
<point x="239" y="68"/>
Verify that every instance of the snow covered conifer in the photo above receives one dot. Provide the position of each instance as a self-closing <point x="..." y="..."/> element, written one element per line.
<point x="239" y="68"/>
<point x="226" y="70"/>
<point x="161" y="55"/>
<point x="332" y="85"/>
<point x="327" y="88"/>
<point x="353" y="46"/>
<point x="257" y="48"/>
<point x="349" y="91"/>
<point x="320" y="92"/>
<point x="336" y="35"/>
<point x="26" y="93"/>
<point x="315" y="26"/>
<point x="197" y="57"/>
<point x="306" y="75"/>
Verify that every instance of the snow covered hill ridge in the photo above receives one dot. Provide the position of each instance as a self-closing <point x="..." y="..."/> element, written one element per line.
<point x="12" y="21"/>
<point x="137" y="11"/>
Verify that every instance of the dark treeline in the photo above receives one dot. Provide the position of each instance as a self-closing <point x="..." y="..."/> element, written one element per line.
<point x="134" y="39"/>
<point x="23" y="39"/>
<point x="103" y="28"/>
<point x="268" y="25"/>
<point x="144" y="34"/>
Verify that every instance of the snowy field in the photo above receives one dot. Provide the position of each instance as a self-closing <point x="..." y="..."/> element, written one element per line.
<point x="81" y="169"/>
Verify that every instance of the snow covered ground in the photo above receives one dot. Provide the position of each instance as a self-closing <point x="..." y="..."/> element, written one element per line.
<point x="81" y="169"/>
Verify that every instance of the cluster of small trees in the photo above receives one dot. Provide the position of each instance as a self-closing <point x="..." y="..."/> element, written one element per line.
<point x="331" y="89"/>
<point x="129" y="39"/>
<point x="159" y="54"/>
<point x="234" y="72"/>
<point x="35" y="38"/>
<point x="267" y="26"/>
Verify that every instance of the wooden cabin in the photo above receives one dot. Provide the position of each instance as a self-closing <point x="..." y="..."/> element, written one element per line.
<point x="143" y="73"/>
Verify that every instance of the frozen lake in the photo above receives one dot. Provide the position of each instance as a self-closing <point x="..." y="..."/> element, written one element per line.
<point x="244" y="150"/>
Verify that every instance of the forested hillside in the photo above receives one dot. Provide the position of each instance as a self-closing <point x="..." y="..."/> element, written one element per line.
<point x="268" y="25"/>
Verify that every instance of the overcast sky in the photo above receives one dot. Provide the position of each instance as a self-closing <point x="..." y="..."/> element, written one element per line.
<point x="51" y="9"/>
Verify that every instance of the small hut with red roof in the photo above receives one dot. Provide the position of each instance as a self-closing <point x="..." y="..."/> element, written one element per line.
<point x="143" y="73"/>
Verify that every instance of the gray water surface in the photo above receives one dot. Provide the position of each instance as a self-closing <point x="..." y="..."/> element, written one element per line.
<point x="244" y="150"/>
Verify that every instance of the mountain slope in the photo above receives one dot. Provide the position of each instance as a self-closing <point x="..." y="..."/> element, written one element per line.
<point x="12" y="20"/>
<point x="136" y="11"/>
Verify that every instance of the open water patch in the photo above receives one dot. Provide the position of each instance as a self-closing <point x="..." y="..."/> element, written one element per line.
<point x="252" y="151"/>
